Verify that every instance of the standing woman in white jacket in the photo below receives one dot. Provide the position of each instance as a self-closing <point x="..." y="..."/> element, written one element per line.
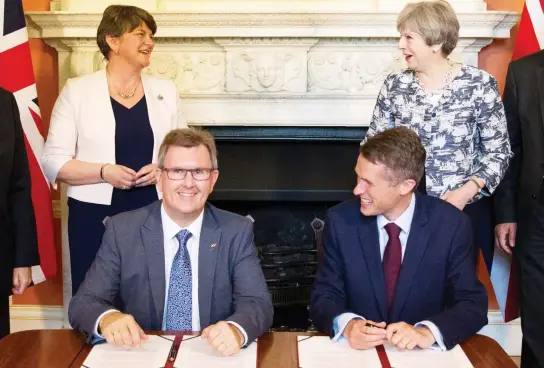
<point x="106" y="129"/>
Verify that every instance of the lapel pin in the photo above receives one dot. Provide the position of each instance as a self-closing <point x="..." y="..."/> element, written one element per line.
<point x="213" y="245"/>
<point x="160" y="97"/>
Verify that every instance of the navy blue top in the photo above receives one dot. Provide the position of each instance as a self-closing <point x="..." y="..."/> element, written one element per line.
<point x="134" y="149"/>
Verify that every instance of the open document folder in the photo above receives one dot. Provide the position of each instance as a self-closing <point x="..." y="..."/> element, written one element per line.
<point x="194" y="352"/>
<point x="320" y="351"/>
<point x="152" y="353"/>
<point x="454" y="358"/>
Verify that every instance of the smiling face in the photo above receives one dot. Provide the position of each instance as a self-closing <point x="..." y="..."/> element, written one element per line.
<point x="134" y="47"/>
<point x="378" y="194"/>
<point x="185" y="199"/>
<point x="416" y="52"/>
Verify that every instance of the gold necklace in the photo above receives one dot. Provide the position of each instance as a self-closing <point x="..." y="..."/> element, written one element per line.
<point x="126" y="96"/>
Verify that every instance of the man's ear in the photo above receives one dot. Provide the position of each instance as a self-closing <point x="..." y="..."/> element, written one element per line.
<point x="407" y="186"/>
<point x="158" y="176"/>
<point x="214" y="177"/>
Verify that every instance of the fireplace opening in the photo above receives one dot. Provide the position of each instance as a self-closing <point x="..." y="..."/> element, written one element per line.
<point x="284" y="180"/>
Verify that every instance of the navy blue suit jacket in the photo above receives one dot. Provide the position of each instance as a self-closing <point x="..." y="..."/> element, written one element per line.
<point x="437" y="281"/>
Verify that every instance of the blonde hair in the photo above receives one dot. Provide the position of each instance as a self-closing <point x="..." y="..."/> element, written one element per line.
<point x="188" y="137"/>
<point x="435" y="21"/>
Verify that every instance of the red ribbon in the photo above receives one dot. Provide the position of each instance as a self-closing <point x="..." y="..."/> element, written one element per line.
<point x="177" y="343"/>
<point x="384" y="360"/>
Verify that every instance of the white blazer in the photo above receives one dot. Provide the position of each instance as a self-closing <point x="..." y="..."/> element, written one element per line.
<point x="83" y="128"/>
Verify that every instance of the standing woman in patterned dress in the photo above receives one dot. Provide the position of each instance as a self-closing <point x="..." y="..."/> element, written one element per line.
<point x="456" y="110"/>
<point x="105" y="133"/>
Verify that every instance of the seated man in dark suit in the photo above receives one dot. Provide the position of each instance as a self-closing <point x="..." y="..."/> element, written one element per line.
<point x="398" y="267"/>
<point x="177" y="264"/>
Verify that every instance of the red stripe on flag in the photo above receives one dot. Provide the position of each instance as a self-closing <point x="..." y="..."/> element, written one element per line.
<point x="526" y="42"/>
<point x="41" y="200"/>
<point x="511" y="310"/>
<point x="16" y="67"/>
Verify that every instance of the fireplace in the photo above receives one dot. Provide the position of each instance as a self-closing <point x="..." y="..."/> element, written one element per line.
<point x="284" y="180"/>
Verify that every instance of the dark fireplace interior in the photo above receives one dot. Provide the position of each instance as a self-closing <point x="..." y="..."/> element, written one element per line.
<point x="284" y="180"/>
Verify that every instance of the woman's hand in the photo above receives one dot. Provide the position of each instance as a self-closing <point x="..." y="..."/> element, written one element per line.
<point x="147" y="175"/>
<point x="119" y="176"/>
<point x="461" y="196"/>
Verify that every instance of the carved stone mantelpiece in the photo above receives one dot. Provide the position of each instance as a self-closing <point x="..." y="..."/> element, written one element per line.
<point x="275" y="67"/>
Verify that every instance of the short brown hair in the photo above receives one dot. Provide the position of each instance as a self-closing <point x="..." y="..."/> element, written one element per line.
<point x="188" y="137"/>
<point x="118" y="20"/>
<point x="400" y="151"/>
<point x="435" y="21"/>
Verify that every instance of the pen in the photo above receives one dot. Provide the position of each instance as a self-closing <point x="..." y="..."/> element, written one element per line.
<point x="172" y="354"/>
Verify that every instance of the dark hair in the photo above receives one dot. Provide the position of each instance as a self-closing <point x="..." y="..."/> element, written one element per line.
<point x="188" y="137"/>
<point x="400" y="151"/>
<point x="118" y="20"/>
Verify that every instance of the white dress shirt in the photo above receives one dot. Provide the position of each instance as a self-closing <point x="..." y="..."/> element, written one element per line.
<point x="171" y="246"/>
<point x="404" y="221"/>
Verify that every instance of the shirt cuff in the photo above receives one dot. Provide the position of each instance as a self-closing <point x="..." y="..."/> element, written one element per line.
<point x="339" y="324"/>
<point x="439" y="344"/>
<point x="241" y="330"/>
<point x="95" y="331"/>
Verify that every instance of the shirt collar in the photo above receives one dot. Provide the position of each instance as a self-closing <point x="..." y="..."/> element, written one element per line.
<point x="404" y="221"/>
<point x="170" y="228"/>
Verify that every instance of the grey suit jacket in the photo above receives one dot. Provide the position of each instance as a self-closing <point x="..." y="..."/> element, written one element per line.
<point x="128" y="273"/>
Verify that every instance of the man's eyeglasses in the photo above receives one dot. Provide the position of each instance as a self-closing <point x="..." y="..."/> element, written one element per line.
<point x="176" y="173"/>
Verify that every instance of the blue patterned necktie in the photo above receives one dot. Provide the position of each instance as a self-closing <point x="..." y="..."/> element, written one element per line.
<point x="179" y="312"/>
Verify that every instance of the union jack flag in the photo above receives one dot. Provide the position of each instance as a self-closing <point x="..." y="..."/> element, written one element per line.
<point x="17" y="76"/>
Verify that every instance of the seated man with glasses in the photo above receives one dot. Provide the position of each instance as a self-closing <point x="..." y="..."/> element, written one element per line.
<point x="177" y="264"/>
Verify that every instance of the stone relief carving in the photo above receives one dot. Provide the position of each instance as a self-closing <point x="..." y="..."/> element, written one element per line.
<point x="202" y="72"/>
<point x="191" y="72"/>
<point x="265" y="72"/>
<point x="349" y="71"/>
<point x="163" y="66"/>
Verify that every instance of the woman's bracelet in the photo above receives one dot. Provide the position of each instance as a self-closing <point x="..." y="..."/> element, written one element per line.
<point x="477" y="184"/>
<point x="102" y="173"/>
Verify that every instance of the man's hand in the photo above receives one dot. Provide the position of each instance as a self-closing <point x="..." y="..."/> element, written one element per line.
<point x="21" y="279"/>
<point x="505" y="236"/>
<point x="405" y="336"/>
<point x="224" y="337"/>
<point x="121" y="330"/>
<point x="363" y="337"/>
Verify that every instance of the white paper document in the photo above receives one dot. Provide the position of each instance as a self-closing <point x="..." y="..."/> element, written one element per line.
<point x="194" y="352"/>
<point x="454" y="358"/>
<point x="152" y="353"/>
<point x="322" y="352"/>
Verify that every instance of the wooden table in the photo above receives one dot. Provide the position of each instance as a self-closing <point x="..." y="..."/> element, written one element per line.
<point x="66" y="348"/>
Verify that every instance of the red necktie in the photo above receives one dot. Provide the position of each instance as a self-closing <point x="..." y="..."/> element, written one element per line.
<point x="392" y="259"/>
